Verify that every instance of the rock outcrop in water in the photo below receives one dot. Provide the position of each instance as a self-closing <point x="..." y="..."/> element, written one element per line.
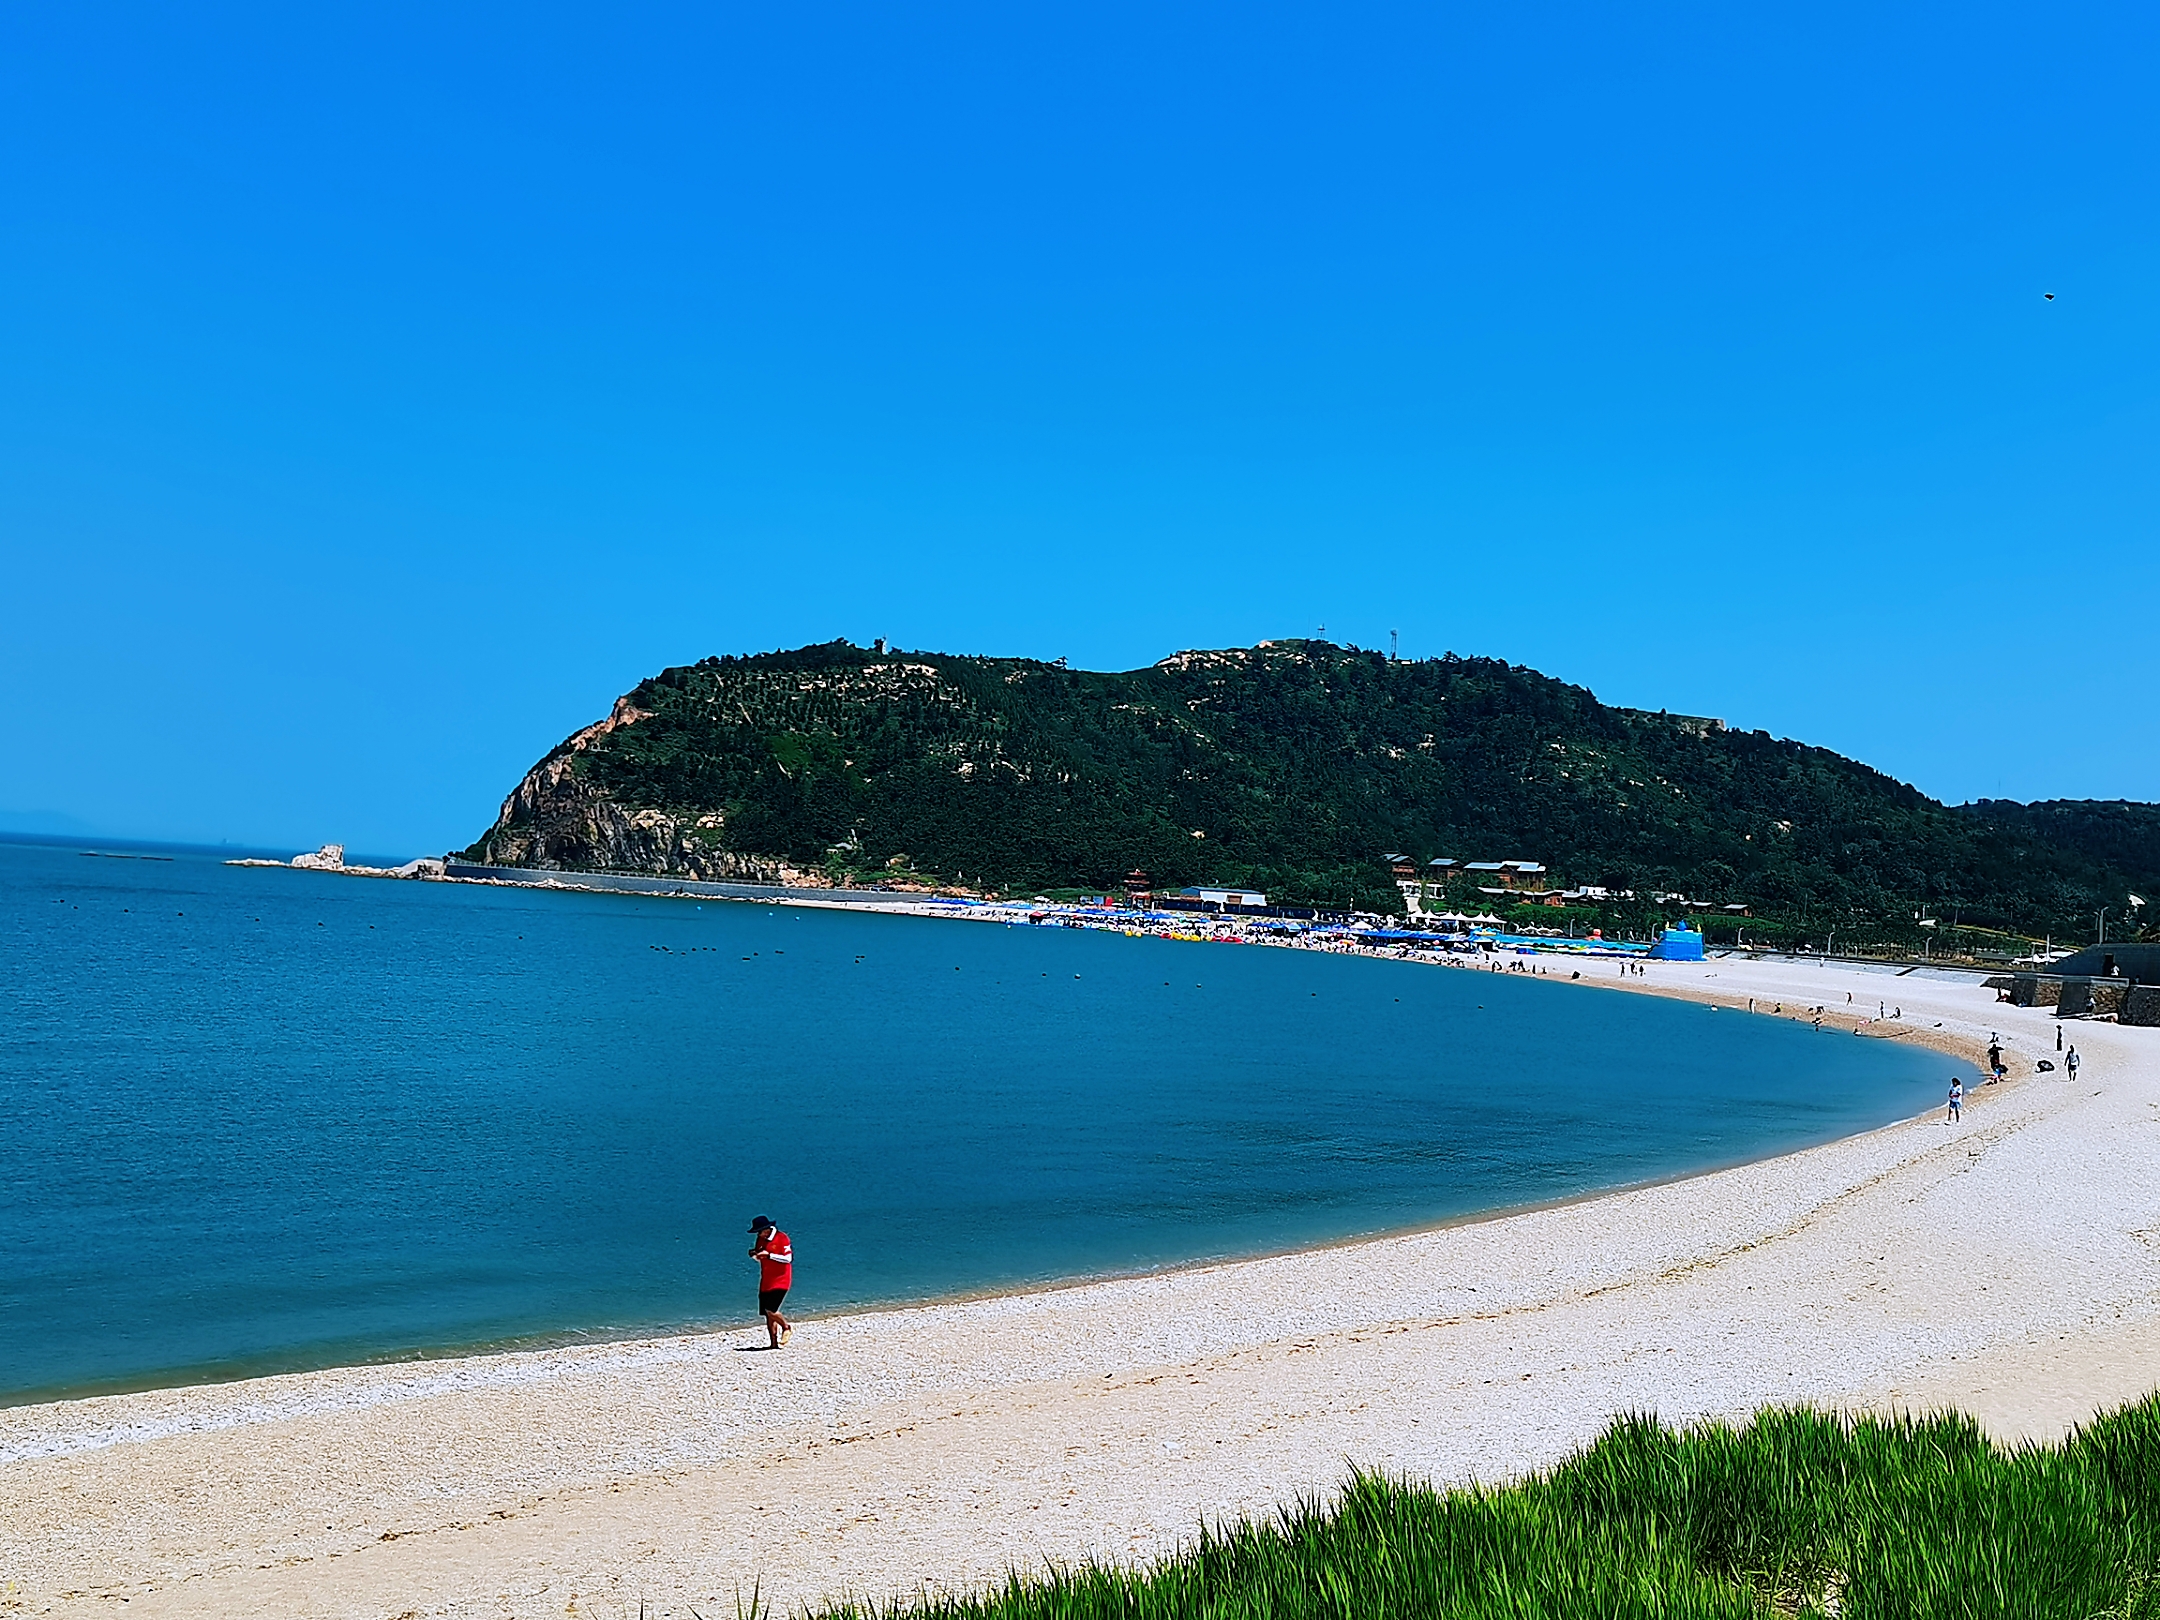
<point x="331" y="858"/>
<point x="1290" y="767"/>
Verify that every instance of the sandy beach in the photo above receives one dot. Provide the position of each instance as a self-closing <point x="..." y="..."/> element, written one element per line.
<point x="2009" y="1265"/>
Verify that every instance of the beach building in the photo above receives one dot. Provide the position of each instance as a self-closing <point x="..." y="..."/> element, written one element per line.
<point x="1223" y="896"/>
<point x="1529" y="880"/>
<point x="2126" y="960"/>
<point x="1519" y="880"/>
<point x="1510" y="874"/>
<point x="2119" y="981"/>
<point x="1420" y="885"/>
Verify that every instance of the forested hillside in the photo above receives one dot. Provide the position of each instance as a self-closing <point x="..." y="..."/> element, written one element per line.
<point x="1292" y="766"/>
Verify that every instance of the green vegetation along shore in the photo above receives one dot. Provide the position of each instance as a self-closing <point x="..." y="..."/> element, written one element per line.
<point x="1290" y="767"/>
<point x="1800" y="1513"/>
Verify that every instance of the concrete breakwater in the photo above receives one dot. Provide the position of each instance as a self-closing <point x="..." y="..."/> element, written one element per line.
<point x="638" y="883"/>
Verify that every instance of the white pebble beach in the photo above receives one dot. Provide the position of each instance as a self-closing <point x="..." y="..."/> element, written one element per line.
<point x="2008" y="1265"/>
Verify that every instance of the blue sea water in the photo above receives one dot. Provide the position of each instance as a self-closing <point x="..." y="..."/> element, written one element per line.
<point x="258" y="1120"/>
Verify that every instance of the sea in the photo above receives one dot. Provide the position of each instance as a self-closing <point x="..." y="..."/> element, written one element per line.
<point x="260" y="1120"/>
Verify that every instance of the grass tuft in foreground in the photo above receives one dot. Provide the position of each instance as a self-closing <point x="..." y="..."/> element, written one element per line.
<point x="1800" y="1513"/>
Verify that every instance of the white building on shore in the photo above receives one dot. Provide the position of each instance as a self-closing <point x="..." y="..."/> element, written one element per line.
<point x="1225" y="896"/>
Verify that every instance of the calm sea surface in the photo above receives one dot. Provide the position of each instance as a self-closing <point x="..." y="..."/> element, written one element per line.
<point x="257" y="1120"/>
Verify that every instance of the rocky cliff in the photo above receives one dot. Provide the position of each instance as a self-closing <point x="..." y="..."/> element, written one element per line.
<point x="559" y="818"/>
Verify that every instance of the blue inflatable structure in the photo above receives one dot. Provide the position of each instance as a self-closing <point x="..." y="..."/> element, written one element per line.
<point x="1680" y="944"/>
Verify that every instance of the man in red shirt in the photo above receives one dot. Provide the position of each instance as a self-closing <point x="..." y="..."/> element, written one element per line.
<point x="769" y="1247"/>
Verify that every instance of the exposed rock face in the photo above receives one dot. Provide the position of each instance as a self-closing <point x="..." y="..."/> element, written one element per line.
<point x="330" y="858"/>
<point x="558" y="820"/>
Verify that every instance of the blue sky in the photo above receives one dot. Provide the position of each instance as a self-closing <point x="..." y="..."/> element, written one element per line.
<point x="383" y="392"/>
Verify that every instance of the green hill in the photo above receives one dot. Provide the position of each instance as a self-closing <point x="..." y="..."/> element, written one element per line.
<point x="1292" y="766"/>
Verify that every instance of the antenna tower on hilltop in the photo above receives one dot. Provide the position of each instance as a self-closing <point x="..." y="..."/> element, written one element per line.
<point x="1394" y="646"/>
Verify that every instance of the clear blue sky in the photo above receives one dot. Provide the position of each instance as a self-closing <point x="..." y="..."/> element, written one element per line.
<point x="383" y="392"/>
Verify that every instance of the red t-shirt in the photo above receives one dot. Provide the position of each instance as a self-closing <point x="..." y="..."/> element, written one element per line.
<point x="776" y="1261"/>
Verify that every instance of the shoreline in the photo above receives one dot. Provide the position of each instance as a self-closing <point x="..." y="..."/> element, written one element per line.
<point x="570" y="1339"/>
<point x="1966" y="1048"/>
<point x="934" y="1445"/>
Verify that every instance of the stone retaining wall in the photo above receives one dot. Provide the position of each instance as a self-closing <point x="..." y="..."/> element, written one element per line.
<point x="2035" y="990"/>
<point x="2091" y="998"/>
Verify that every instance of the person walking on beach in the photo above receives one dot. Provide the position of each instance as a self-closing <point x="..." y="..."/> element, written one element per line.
<point x="2070" y="1062"/>
<point x="1957" y="1100"/>
<point x="1995" y="1063"/>
<point x="775" y="1256"/>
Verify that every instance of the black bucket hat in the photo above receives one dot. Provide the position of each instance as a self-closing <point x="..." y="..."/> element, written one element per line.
<point x="761" y="1223"/>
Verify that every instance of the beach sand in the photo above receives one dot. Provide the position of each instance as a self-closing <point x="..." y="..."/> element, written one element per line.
<point x="2009" y="1265"/>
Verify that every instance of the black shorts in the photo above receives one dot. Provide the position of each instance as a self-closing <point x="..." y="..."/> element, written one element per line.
<point x="768" y="1300"/>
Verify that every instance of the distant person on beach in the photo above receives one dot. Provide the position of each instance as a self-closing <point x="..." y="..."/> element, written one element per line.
<point x="2070" y="1062"/>
<point x="1995" y="1062"/>
<point x="1957" y="1100"/>
<point x="776" y="1274"/>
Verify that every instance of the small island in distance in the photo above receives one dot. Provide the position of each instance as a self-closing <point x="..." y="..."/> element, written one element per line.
<point x="1317" y="773"/>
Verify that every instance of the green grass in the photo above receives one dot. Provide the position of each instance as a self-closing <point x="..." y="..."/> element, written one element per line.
<point x="1798" y="1513"/>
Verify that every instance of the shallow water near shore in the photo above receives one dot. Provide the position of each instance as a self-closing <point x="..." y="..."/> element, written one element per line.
<point x="261" y="1120"/>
